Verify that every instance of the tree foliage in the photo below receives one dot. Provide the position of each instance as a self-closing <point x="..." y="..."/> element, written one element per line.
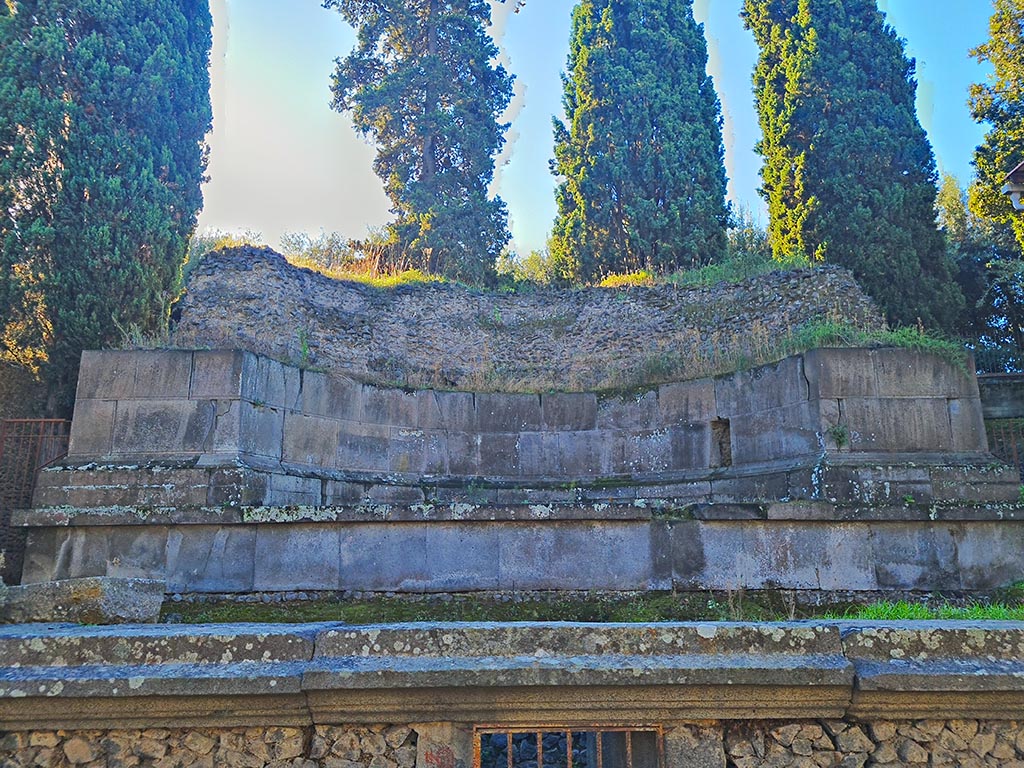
<point x="641" y="156"/>
<point x="989" y="268"/>
<point x="103" y="108"/>
<point x="1000" y="103"/>
<point x="849" y="175"/>
<point x="421" y="82"/>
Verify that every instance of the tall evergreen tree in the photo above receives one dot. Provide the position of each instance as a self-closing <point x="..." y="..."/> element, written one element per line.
<point x="103" y="108"/>
<point x="641" y="157"/>
<point x="1000" y="103"/>
<point x="990" y="270"/>
<point x="849" y="175"/>
<point x="422" y="83"/>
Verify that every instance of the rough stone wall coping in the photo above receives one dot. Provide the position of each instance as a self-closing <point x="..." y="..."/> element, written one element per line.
<point x="330" y="672"/>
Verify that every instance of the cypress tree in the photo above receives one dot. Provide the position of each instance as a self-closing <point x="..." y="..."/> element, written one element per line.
<point x="849" y="175"/>
<point x="103" y="108"/>
<point x="641" y="156"/>
<point x="422" y="84"/>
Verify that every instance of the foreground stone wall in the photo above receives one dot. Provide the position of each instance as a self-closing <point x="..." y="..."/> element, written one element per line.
<point x="449" y="335"/>
<point x="318" y="747"/>
<point x="411" y="696"/>
<point x="747" y="744"/>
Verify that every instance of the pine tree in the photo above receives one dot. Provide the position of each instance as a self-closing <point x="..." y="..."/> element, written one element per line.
<point x="422" y="84"/>
<point x="849" y="175"/>
<point x="641" y="156"/>
<point x="103" y="108"/>
<point x="1000" y="103"/>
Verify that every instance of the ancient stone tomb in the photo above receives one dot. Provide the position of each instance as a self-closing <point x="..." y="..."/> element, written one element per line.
<point x="228" y="472"/>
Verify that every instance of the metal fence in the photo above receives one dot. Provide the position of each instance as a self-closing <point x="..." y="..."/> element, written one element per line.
<point x="606" y="747"/>
<point x="1006" y="440"/>
<point x="26" y="446"/>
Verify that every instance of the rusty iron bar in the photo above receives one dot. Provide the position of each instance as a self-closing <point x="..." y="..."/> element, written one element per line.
<point x="1006" y="441"/>
<point x="538" y="732"/>
<point x="26" y="446"/>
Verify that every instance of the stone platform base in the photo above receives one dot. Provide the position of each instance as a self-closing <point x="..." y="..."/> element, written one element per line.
<point x="420" y="696"/>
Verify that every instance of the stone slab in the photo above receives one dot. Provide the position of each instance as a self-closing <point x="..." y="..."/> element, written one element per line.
<point x="96" y="600"/>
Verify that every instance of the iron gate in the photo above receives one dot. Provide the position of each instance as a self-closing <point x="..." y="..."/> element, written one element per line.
<point x="26" y="446"/>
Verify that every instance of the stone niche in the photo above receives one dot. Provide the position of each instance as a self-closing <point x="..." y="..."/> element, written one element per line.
<point x="225" y="471"/>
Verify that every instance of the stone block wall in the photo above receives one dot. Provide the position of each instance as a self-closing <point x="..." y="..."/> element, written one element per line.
<point x="957" y="743"/>
<point x="807" y="694"/>
<point x="218" y="408"/>
<point x="224" y="471"/>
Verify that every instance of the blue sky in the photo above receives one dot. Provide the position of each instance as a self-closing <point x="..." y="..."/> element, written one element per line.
<point x="282" y="161"/>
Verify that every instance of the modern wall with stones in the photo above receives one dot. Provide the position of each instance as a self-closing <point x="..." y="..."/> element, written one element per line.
<point x="419" y="696"/>
<point x="225" y="471"/>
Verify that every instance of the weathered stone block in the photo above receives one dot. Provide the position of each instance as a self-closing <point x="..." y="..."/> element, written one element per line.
<point x="390" y="407"/>
<point x="692" y="746"/>
<point x="331" y="396"/>
<point x="236" y="486"/>
<point x="751" y="488"/>
<point x="217" y="374"/>
<point x="407" y="450"/>
<point x="292" y="490"/>
<point x="290" y="557"/>
<point x="895" y="484"/>
<point x="966" y="425"/>
<point x="268" y="382"/>
<point x="648" y="451"/>
<point x="895" y="424"/>
<point x="907" y="373"/>
<point x="464" y="453"/>
<point x="628" y="412"/>
<point x="573" y="411"/>
<point x="138" y="552"/>
<point x="451" y="411"/>
<point x="1002" y="395"/>
<point x="691" y="446"/>
<point x="203" y="558"/>
<point x="989" y="554"/>
<point x="499" y="455"/>
<point x="914" y="556"/>
<point x="540" y="456"/>
<point x="507" y="412"/>
<point x="363" y="446"/>
<point x="770" y="387"/>
<point x="687" y="402"/>
<point x="310" y="440"/>
<point x="162" y="374"/>
<point x="95" y="600"/>
<point x="106" y="375"/>
<point x="340" y="493"/>
<point x="163" y="427"/>
<point x="779" y="433"/>
<point x="839" y="373"/>
<point x="614" y="556"/>
<point x="43" y="547"/>
<point x="92" y="428"/>
<point x="990" y="482"/>
<point x="262" y="430"/>
<point x="586" y="454"/>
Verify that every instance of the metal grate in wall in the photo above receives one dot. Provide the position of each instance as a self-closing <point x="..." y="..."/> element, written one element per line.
<point x="1006" y="440"/>
<point x="604" y="747"/>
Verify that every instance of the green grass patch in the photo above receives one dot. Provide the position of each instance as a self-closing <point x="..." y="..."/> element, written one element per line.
<point x="901" y="610"/>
